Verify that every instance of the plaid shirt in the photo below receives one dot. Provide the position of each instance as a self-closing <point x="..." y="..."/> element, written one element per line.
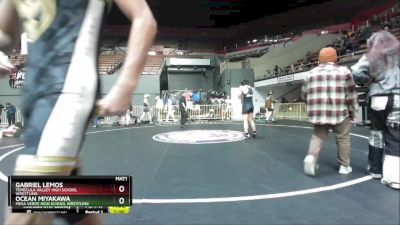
<point x="330" y="93"/>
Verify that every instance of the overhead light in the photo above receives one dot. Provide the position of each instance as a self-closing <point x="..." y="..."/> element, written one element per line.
<point x="151" y="53"/>
<point x="255" y="40"/>
<point x="248" y="42"/>
<point x="275" y="40"/>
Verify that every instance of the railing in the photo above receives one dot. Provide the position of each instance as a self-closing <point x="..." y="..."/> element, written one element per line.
<point x="4" y="120"/>
<point x="290" y="111"/>
<point x="172" y="114"/>
<point x="223" y="112"/>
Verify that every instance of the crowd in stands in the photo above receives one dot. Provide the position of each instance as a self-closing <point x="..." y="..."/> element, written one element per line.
<point x="259" y="42"/>
<point x="350" y="44"/>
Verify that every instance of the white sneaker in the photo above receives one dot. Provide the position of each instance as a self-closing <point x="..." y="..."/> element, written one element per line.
<point x="394" y="185"/>
<point x="310" y="167"/>
<point x="345" y="169"/>
<point x="374" y="175"/>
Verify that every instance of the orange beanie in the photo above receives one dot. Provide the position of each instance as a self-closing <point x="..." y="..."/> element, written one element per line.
<point x="327" y="55"/>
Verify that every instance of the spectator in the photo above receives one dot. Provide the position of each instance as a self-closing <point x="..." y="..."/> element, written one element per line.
<point x="270" y="105"/>
<point x="11" y="110"/>
<point x="19" y="79"/>
<point x="284" y="100"/>
<point x="13" y="78"/>
<point x="276" y="70"/>
<point x="159" y="108"/>
<point x="96" y="121"/>
<point x="379" y="68"/>
<point x="308" y="57"/>
<point x="301" y="66"/>
<point x="1" y="111"/>
<point x="228" y="110"/>
<point x="336" y="90"/>
<point x="170" y="110"/>
<point x="146" y="109"/>
<point x="183" y="109"/>
<point x="292" y="68"/>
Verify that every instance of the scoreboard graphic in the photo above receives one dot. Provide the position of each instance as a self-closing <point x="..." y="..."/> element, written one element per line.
<point x="70" y="194"/>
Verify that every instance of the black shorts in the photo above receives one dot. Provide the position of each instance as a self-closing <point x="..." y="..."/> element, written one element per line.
<point x="247" y="108"/>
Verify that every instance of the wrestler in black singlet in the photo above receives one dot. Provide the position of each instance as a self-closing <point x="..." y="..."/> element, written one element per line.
<point x="247" y="101"/>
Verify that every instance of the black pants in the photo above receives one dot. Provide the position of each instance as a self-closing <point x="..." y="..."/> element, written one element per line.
<point x="184" y="116"/>
<point x="384" y="135"/>
<point x="11" y="119"/>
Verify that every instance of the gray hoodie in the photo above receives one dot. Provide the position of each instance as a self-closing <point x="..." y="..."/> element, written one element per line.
<point x="387" y="82"/>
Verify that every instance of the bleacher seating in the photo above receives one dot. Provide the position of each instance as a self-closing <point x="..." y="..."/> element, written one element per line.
<point x="350" y="54"/>
<point x="153" y="65"/>
<point x="111" y="62"/>
<point x="17" y="59"/>
<point x="108" y="62"/>
<point x="351" y="46"/>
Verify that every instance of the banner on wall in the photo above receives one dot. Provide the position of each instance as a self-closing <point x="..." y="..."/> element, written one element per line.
<point x="24" y="44"/>
<point x="284" y="79"/>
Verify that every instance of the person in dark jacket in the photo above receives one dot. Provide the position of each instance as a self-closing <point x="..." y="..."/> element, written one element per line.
<point x="183" y="109"/>
<point x="1" y="111"/>
<point x="11" y="110"/>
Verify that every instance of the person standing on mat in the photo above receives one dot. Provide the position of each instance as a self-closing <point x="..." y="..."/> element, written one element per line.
<point x="246" y="94"/>
<point x="59" y="93"/>
<point x="379" y="68"/>
<point x="331" y="104"/>
<point x="183" y="109"/>
<point x="146" y="109"/>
